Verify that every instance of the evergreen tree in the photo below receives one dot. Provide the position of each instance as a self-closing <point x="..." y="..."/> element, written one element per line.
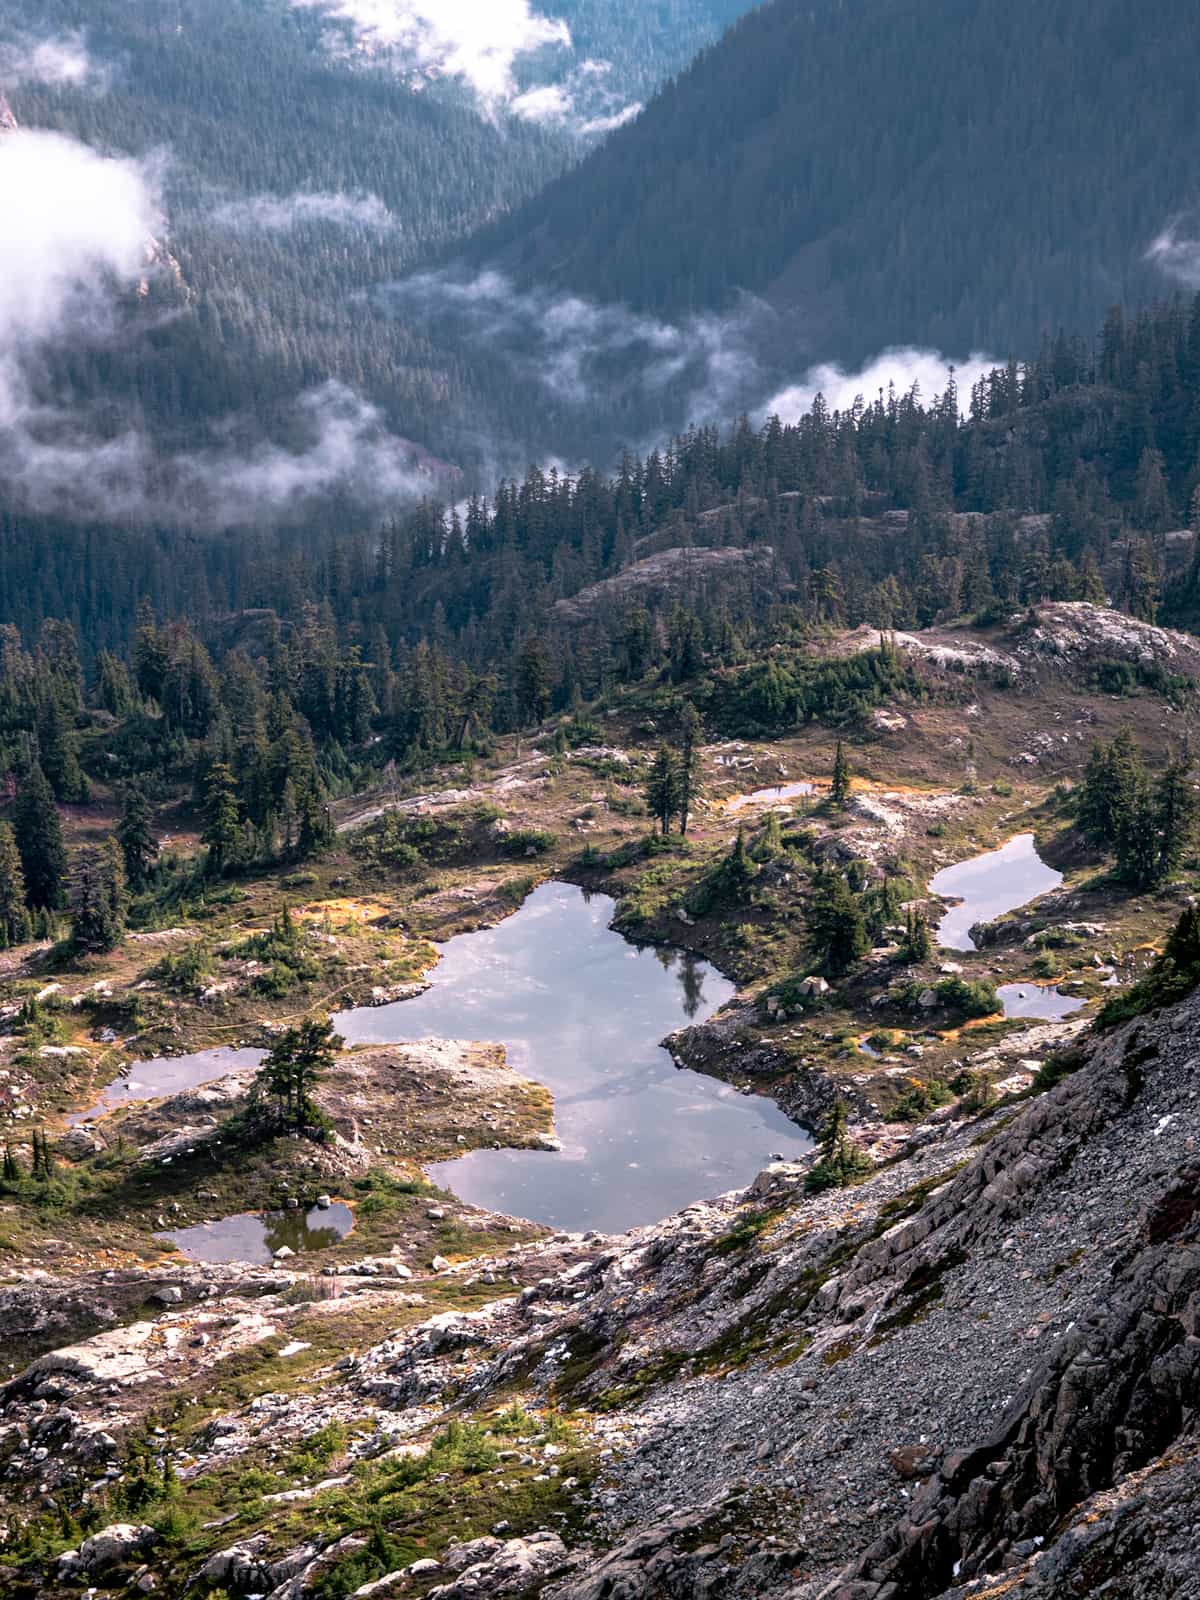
<point x="839" y="788"/>
<point x="135" y="834"/>
<point x="918" y="942"/>
<point x="221" y="822"/>
<point x="14" y="914"/>
<point x="664" y="788"/>
<point x="837" y="932"/>
<point x="533" y="681"/>
<point x="98" y="898"/>
<point x="38" y="834"/>
<point x="12" y="1167"/>
<point x="840" y="1160"/>
<point x="296" y="1064"/>
<point x="1112" y="790"/>
<point x="1176" y="810"/>
<point x="691" y="734"/>
<point x="58" y="753"/>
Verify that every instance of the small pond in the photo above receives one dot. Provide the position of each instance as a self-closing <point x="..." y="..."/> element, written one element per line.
<point x="1036" y="1000"/>
<point x="988" y="886"/>
<point x="582" y="1011"/>
<point x="254" y="1237"/>
<point x="152" y="1080"/>
<point x="780" y="795"/>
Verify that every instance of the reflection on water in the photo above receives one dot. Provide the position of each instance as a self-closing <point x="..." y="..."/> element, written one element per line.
<point x="781" y="794"/>
<point x="988" y="886"/>
<point x="581" y="1010"/>
<point x="152" y="1080"/>
<point x="1033" y="1000"/>
<point x="254" y="1237"/>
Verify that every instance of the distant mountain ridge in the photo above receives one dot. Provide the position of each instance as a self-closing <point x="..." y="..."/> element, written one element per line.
<point x="900" y="170"/>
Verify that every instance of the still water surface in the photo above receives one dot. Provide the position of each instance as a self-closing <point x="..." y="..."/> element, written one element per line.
<point x="167" y="1075"/>
<point x="582" y="1011"/>
<point x="1035" y="1000"/>
<point x="780" y="795"/>
<point x="255" y="1236"/>
<point x="990" y="885"/>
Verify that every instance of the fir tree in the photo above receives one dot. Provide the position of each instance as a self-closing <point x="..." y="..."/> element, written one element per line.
<point x="58" y="754"/>
<point x="135" y="834"/>
<point x="296" y="1064"/>
<point x="839" y="788"/>
<point x="664" y="788"/>
<point x="38" y="834"/>
<point x="691" y="733"/>
<point x="1175" y="819"/>
<point x="12" y="1167"/>
<point x="837" y="930"/>
<point x="840" y="1160"/>
<point x="221" y="823"/>
<point x="14" y="914"/>
<point x="98" y="898"/>
<point x="918" y="943"/>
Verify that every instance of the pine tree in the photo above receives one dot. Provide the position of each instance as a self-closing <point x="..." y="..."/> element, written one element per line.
<point x="38" y="833"/>
<point x="839" y="788"/>
<point x="664" y="788"/>
<point x="135" y="833"/>
<point x="14" y="914"/>
<point x="221" y="821"/>
<point x="691" y="733"/>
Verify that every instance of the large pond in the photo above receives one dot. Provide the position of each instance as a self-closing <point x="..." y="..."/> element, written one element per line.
<point x="582" y="1011"/>
<point x="990" y="885"/>
<point x="167" y="1075"/>
<point x="256" y="1236"/>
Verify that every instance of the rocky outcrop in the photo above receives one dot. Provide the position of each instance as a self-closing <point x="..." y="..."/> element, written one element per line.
<point x="669" y="575"/>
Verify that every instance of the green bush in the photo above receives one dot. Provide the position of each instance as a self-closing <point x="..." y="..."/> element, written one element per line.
<point x="919" y="1100"/>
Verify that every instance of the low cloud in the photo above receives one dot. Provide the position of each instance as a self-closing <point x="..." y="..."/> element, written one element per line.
<point x="62" y="60"/>
<point x="1177" y="255"/>
<point x="589" y="354"/>
<point x="78" y="262"/>
<point x="476" y="41"/>
<point x="281" y="213"/>
<point x="899" y="368"/>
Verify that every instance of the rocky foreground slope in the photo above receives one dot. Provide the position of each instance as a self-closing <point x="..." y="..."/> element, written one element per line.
<point x="976" y="1374"/>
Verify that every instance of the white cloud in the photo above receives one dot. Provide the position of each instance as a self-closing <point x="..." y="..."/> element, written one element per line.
<point x="477" y="41"/>
<point x="618" y="119"/>
<point x="550" y="103"/>
<point x="78" y="254"/>
<point x="588" y="354"/>
<point x="279" y="213"/>
<point x="72" y="224"/>
<point x="62" y="60"/>
<point x="900" y="368"/>
<point x="1178" y="257"/>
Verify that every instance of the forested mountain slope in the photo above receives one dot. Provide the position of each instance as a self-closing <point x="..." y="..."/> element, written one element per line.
<point x="296" y="169"/>
<point x="901" y="170"/>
